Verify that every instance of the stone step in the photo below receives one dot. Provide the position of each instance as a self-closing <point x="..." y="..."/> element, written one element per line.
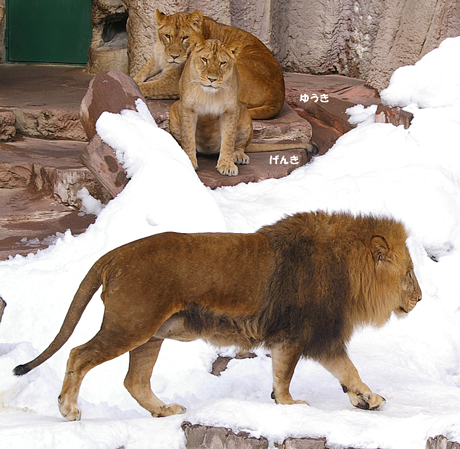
<point x="29" y="220"/>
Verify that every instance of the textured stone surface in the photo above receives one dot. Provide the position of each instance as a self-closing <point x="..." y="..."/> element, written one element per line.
<point x="7" y="125"/>
<point x="203" y="437"/>
<point x="103" y="164"/>
<point x="304" y="443"/>
<point x="109" y="42"/>
<point x="328" y="117"/>
<point x="394" y="115"/>
<point x="267" y="165"/>
<point x="108" y="91"/>
<point x="441" y="442"/>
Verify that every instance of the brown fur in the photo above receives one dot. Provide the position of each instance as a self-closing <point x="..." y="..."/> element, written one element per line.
<point x="262" y="82"/>
<point x="298" y="287"/>
<point x="209" y="118"/>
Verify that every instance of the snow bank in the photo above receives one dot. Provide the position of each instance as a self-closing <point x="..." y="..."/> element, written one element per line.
<point x="413" y="175"/>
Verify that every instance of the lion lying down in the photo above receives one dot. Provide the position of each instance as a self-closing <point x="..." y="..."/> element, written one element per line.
<point x="298" y="287"/>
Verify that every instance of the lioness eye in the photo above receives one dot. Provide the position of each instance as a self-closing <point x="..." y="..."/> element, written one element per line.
<point x="223" y="63"/>
<point x="204" y="60"/>
<point x="185" y="38"/>
<point x="167" y="36"/>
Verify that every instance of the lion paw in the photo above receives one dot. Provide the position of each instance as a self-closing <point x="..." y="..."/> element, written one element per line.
<point x="240" y="157"/>
<point x="227" y="168"/>
<point x="168" y="410"/>
<point x="367" y="401"/>
<point x="70" y="412"/>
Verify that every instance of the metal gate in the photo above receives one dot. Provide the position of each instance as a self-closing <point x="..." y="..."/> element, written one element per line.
<point x="48" y="31"/>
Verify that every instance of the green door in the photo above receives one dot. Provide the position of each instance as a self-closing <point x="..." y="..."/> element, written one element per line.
<point x="48" y="31"/>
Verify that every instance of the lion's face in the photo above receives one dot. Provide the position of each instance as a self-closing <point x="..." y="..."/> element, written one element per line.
<point x="411" y="293"/>
<point x="213" y="62"/>
<point x="174" y="32"/>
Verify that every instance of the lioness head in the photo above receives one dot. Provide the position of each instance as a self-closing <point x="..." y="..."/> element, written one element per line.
<point x="174" y="32"/>
<point x="396" y="264"/>
<point x="212" y="61"/>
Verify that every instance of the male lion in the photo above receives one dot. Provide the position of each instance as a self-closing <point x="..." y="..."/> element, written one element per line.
<point x="262" y="82"/>
<point x="298" y="287"/>
<point x="209" y="117"/>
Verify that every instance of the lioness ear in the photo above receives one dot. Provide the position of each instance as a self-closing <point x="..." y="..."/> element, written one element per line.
<point x="196" y="19"/>
<point x="234" y="47"/>
<point x="195" y="40"/>
<point x="160" y="17"/>
<point x="379" y="248"/>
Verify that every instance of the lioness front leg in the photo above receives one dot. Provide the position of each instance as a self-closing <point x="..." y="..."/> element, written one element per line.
<point x="284" y="361"/>
<point x="228" y="125"/>
<point x="358" y="392"/>
<point x="137" y="381"/>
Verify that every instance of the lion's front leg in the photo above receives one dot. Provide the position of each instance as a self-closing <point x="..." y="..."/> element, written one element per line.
<point x="358" y="392"/>
<point x="284" y="361"/>
<point x="137" y="381"/>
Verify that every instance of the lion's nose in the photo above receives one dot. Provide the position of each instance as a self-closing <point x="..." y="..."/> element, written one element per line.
<point x="211" y="80"/>
<point x="419" y="298"/>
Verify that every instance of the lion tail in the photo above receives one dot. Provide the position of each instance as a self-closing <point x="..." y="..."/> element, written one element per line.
<point x="88" y="287"/>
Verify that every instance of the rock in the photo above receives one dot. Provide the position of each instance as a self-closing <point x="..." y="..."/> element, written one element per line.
<point x="7" y="125"/>
<point x="109" y="43"/>
<point x="103" y="164"/>
<point x="108" y="91"/>
<point x="204" y="437"/>
<point x="441" y="442"/>
<point x="49" y="123"/>
<point x="266" y="165"/>
<point x="304" y="443"/>
<point x="2" y="307"/>
<point x="394" y="115"/>
<point x="323" y="101"/>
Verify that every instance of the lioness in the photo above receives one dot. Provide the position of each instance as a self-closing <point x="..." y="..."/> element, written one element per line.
<point x="262" y="82"/>
<point x="209" y="118"/>
<point x="298" y="287"/>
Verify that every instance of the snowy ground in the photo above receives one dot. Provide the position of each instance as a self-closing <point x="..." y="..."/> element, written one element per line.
<point x="412" y="175"/>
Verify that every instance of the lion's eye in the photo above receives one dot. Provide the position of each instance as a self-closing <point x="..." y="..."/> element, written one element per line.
<point x="167" y="36"/>
<point x="185" y="38"/>
<point x="204" y="60"/>
<point x="223" y="63"/>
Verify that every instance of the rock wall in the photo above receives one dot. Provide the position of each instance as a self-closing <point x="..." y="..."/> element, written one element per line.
<point x="365" y="39"/>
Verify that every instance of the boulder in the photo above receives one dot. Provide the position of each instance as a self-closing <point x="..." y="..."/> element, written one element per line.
<point x="103" y="164"/>
<point x="108" y="91"/>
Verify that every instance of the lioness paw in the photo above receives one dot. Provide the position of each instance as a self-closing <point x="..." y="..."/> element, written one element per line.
<point x="240" y="157"/>
<point x="168" y="410"/>
<point x="227" y="168"/>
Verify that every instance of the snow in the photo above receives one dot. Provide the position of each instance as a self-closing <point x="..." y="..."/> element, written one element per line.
<point x="412" y="175"/>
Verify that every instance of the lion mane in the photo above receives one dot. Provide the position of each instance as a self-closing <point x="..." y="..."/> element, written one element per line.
<point x="298" y="287"/>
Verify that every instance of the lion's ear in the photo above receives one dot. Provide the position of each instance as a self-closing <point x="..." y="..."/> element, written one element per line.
<point x="379" y="248"/>
<point x="196" y="19"/>
<point x="160" y="17"/>
<point x="234" y="47"/>
<point x="195" y="40"/>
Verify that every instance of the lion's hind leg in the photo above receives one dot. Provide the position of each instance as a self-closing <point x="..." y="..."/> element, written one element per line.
<point x="284" y="361"/>
<point x="101" y="348"/>
<point x="137" y="381"/>
<point x="358" y="392"/>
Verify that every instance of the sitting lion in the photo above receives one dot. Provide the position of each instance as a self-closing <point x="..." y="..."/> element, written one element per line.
<point x="262" y="82"/>
<point x="209" y="118"/>
<point x="298" y="287"/>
